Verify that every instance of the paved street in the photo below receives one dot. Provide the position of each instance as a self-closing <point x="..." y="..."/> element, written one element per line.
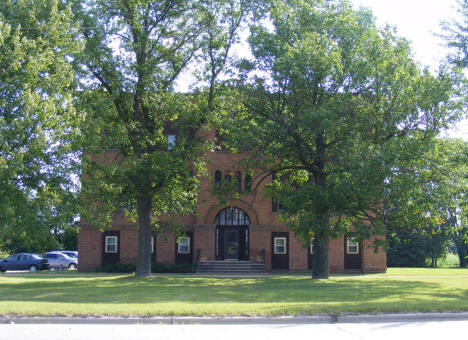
<point x="389" y="330"/>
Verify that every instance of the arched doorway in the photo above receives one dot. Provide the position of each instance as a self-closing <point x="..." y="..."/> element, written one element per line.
<point x="232" y="234"/>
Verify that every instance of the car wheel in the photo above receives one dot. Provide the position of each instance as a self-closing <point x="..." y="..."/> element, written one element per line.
<point x="2" y="270"/>
<point x="72" y="266"/>
<point x="32" y="268"/>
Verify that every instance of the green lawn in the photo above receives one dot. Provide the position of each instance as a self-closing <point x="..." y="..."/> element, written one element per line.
<point x="399" y="290"/>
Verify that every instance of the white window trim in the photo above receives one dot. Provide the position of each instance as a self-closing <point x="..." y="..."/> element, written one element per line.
<point x="355" y="243"/>
<point x="311" y="249"/>
<point x="107" y="243"/>
<point x="187" y="238"/>
<point x="284" y="245"/>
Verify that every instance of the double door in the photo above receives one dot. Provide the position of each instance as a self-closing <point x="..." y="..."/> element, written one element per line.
<point x="232" y="243"/>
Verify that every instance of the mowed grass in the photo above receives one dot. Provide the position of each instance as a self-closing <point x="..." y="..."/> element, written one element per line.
<point x="399" y="290"/>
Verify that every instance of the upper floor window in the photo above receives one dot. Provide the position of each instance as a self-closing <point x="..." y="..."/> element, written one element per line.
<point x="171" y="141"/>
<point x="276" y="206"/>
<point x="227" y="178"/>
<point x="218" y="178"/>
<point x="238" y="181"/>
<point x="248" y="182"/>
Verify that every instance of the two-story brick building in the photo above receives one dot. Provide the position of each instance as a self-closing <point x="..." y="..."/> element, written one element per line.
<point x="246" y="229"/>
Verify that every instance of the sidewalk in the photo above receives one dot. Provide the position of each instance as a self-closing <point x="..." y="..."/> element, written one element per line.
<point x="189" y="320"/>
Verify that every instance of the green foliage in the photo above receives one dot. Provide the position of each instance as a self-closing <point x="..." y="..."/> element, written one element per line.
<point x="134" y="54"/>
<point x="414" y="248"/>
<point x="331" y="104"/>
<point x="157" y="267"/>
<point x="118" y="268"/>
<point x="38" y="123"/>
<point x="456" y="34"/>
<point x="161" y="267"/>
<point x="428" y="195"/>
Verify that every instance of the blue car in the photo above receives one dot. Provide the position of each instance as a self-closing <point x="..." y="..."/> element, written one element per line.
<point x="24" y="261"/>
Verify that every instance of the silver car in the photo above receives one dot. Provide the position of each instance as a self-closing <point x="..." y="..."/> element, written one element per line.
<point x="59" y="260"/>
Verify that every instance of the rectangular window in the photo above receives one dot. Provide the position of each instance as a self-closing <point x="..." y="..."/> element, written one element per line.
<point x="279" y="245"/>
<point x="111" y="244"/>
<point x="238" y="181"/>
<point x="352" y="246"/>
<point x="183" y="245"/>
<point x="152" y="244"/>
<point x="276" y="206"/>
<point x="171" y="141"/>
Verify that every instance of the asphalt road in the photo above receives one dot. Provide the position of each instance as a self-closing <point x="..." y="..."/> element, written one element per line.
<point x="401" y="330"/>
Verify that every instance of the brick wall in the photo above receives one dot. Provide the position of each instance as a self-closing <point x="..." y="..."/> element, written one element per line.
<point x="263" y="222"/>
<point x="373" y="262"/>
<point x="89" y="248"/>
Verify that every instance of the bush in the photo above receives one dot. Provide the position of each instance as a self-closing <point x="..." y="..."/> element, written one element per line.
<point x="118" y="268"/>
<point x="159" y="267"/>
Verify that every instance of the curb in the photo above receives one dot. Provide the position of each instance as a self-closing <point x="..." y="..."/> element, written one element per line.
<point x="189" y="320"/>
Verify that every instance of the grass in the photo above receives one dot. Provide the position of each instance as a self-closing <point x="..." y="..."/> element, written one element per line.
<point x="399" y="290"/>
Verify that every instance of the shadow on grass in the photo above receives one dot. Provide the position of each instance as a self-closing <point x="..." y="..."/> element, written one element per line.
<point x="299" y="292"/>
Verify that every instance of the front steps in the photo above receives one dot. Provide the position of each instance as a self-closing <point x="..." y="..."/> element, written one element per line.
<point x="231" y="268"/>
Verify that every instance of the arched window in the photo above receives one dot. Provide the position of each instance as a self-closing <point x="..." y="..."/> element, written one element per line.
<point x="218" y="178"/>
<point x="232" y="216"/>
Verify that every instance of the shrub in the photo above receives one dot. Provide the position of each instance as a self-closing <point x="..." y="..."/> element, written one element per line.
<point x="160" y="267"/>
<point x="118" y="268"/>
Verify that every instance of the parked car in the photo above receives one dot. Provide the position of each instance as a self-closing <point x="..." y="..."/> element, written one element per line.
<point x="24" y="261"/>
<point x="70" y="253"/>
<point x="59" y="260"/>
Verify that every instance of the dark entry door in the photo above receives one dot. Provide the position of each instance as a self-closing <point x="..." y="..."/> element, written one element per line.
<point x="231" y="244"/>
<point x="352" y="252"/>
<point x="280" y="251"/>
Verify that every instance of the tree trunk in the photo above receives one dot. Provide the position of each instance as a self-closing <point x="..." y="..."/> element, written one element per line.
<point x="462" y="257"/>
<point x="320" y="267"/>
<point x="144" y="237"/>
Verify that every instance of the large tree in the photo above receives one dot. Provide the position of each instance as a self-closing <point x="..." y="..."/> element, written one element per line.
<point x="330" y="104"/>
<point x="135" y="52"/>
<point x="427" y="196"/>
<point x="38" y="124"/>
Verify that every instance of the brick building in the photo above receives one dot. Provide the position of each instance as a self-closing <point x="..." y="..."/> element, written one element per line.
<point x="245" y="229"/>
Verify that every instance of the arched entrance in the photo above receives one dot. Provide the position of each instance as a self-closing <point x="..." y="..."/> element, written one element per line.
<point x="232" y="234"/>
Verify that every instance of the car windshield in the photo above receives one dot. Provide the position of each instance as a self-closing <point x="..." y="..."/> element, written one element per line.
<point x="36" y="256"/>
<point x="71" y="254"/>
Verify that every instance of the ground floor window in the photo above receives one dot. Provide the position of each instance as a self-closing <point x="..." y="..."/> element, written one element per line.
<point x="352" y="246"/>
<point x="279" y="245"/>
<point x="183" y="245"/>
<point x="111" y="243"/>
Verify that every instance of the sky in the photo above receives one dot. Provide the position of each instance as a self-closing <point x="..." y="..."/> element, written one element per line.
<point x="419" y="21"/>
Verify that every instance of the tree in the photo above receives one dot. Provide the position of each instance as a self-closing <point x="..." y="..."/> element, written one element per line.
<point x="428" y="196"/>
<point x="135" y="52"/>
<point x="333" y="104"/>
<point x="38" y="123"/>
<point x="456" y="34"/>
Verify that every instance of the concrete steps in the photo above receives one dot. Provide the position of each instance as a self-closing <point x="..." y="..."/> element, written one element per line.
<point x="231" y="267"/>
